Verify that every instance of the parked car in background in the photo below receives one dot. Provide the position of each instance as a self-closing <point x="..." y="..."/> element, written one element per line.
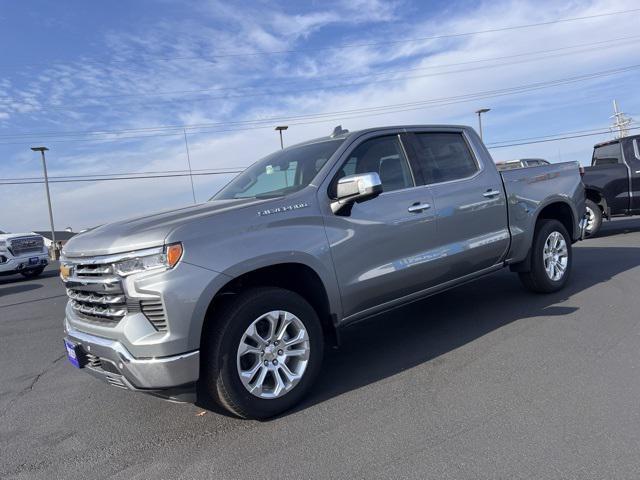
<point x="240" y="295"/>
<point x="23" y="253"/>
<point x="521" y="163"/>
<point x="612" y="182"/>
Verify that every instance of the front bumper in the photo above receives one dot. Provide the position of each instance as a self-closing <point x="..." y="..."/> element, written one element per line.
<point x="171" y="377"/>
<point x="21" y="264"/>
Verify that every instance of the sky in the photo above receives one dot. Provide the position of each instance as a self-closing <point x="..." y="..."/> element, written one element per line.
<point x="113" y="87"/>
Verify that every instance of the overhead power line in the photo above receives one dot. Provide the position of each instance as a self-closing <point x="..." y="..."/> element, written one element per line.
<point x="345" y="46"/>
<point x="313" y="118"/>
<point x="103" y="179"/>
<point x="229" y="171"/>
<point x="219" y="170"/>
<point x="554" y="139"/>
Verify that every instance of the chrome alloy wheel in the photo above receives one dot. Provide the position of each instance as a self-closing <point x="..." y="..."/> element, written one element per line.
<point x="591" y="219"/>
<point x="555" y="256"/>
<point x="273" y="354"/>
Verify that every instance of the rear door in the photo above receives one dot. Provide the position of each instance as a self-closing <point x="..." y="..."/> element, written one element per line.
<point x="469" y="199"/>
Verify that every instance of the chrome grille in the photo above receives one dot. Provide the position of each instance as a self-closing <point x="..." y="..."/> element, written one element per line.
<point x="22" y="245"/>
<point x="154" y="311"/>
<point x="96" y="294"/>
<point x="93" y="270"/>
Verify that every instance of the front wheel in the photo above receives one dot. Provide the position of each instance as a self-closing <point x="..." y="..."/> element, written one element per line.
<point x="551" y="258"/>
<point x="263" y="353"/>
<point x="32" y="273"/>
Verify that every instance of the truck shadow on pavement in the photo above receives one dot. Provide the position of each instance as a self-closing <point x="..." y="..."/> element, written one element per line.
<point x="19" y="279"/>
<point x="19" y="284"/>
<point x="618" y="227"/>
<point x="18" y="288"/>
<point x="418" y="333"/>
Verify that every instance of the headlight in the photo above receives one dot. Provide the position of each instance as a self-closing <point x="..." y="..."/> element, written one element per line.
<point x="3" y="245"/>
<point x="156" y="261"/>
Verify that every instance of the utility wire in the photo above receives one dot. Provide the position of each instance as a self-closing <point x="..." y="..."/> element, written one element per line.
<point x="157" y="172"/>
<point x="342" y="114"/>
<point x="353" y="45"/>
<point x="608" y="131"/>
<point x="102" y="179"/>
<point x="121" y="176"/>
<point x="590" y="130"/>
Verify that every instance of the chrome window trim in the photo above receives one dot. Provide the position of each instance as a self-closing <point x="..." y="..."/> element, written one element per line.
<point x="636" y="150"/>
<point x="112" y="258"/>
<point x="406" y="158"/>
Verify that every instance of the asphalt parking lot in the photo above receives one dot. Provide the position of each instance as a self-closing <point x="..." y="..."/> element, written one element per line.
<point x="484" y="381"/>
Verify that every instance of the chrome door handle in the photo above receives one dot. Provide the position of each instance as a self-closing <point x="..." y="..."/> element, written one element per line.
<point x="418" y="207"/>
<point x="491" y="193"/>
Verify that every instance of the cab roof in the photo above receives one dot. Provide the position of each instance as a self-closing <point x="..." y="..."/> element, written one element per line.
<point x="616" y="140"/>
<point x="344" y="134"/>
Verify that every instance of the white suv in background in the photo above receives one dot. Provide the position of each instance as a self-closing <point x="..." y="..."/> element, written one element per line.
<point x="23" y="253"/>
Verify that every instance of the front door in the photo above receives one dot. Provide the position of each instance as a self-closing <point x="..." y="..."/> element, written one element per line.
<point x="380" y="247"/>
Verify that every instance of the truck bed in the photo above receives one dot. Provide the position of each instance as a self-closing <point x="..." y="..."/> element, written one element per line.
<point x="527" y="191"/>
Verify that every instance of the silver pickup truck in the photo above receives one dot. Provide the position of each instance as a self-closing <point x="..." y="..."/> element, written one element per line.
<point x="23" y="253"/>
<point x="237" y="298"/>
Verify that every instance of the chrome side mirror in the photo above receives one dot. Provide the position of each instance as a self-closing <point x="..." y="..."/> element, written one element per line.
<point x="356" y="188"/>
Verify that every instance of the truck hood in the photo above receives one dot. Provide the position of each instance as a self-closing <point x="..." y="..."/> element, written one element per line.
<point x="145" y="231"/>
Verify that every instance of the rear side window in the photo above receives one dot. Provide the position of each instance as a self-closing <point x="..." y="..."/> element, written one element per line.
<point x="443" y="157"/>
<point x="607" y="155"/>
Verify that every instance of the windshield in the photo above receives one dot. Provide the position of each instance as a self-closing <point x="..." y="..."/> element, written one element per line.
<point x="280" y="173"/>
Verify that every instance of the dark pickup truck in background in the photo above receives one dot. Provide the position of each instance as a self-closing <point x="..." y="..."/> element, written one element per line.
<point x="612" y="182"/>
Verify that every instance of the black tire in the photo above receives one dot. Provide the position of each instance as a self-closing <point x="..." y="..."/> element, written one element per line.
<point x="537" y="279"/>
<point x="220" y="380"/>
<point x="592" y="206"/>
<point x="32" y="273"/>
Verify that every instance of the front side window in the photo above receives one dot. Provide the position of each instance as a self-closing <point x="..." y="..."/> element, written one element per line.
<point x="610" y="154"/>
<point x="280" y="173"/>
<point x="443" y="157"/>
<point x="382" y="155"/>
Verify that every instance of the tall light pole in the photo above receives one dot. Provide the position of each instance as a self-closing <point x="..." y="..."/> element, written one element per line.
<point x="480" y="112"/>
<point x="280" y="129"/>
<point x="46" y="183"/>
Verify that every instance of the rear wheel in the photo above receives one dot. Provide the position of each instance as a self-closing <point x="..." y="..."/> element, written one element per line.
<point x="551" y="258"/>
<point x="263" y="354"/>
<point x="32" y="273"/>
<point x="594" y="217"/>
